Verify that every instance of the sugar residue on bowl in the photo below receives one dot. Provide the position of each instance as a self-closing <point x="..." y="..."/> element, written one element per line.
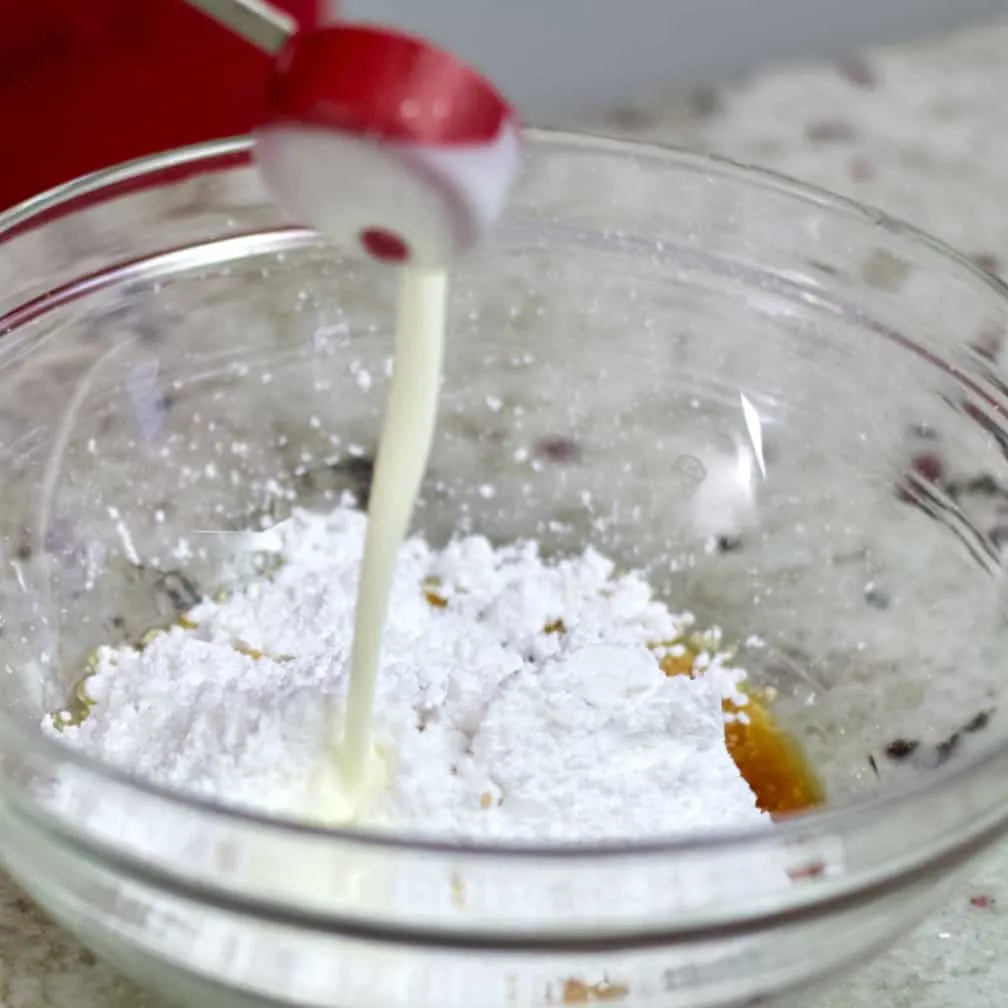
<point x="518" y="699"/>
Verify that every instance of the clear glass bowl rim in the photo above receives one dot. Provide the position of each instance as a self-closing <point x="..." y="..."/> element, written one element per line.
<point x="155" y="171"/>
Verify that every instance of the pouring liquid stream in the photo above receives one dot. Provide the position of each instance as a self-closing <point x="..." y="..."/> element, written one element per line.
<point x="407" y="434"/>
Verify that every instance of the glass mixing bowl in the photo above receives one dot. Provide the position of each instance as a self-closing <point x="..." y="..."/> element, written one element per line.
<point x="784" y="407"/>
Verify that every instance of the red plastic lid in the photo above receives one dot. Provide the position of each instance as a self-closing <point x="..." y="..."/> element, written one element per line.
<point x="372" y="81"/>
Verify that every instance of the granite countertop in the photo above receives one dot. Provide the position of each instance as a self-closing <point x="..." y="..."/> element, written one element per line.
<point x="913" y="130"/>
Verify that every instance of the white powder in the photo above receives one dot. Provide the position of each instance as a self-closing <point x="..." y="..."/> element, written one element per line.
<point x="492" y="727"/>
<point x="490" y="724"/>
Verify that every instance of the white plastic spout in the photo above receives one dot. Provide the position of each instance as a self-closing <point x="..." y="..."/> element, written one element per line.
<point x="376" y="138"/>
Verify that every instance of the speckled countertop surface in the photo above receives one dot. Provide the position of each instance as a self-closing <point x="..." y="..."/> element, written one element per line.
<point x="921" y="132"/>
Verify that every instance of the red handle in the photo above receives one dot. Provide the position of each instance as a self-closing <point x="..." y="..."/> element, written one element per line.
<point x="85" y="84"/>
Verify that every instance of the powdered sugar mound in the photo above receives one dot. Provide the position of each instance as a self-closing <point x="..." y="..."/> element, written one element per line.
<point x="201" y="717"/>
<point x="601" y="745"/>
<point x="514" y="591"/>
<point x="528" y="706"/>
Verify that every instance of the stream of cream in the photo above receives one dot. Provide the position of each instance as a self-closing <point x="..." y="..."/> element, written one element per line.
<point x="408" y="431"/>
